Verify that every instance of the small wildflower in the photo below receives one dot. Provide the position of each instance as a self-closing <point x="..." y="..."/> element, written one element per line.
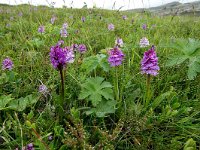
<point x="119" y="42"/>
<point x="8" y="25"/>
<point x="53" y="20"/>
<point x="124" y="17"/>
<point x="63" y="32"/>
<point x="83" y="19"/>
<point x="75" y="47"/>
<point x="11" y="18"/>
<point x="116" y="57"/>
<point x="20" y="14"/>
<point x="7" y="64"/>
<point x="30" y="146"/>
<point x="43" y="89"/>
<point x="149" y="63"/>
<point x="82" y="48"/>
<point x="144" y="26"/>
<point x="65" y="25"/>
<point x="111" y="27"/>
<point x="50" y="138"/>
<point x="41" y="29"/>
<point x="144" y="42"/>
<point x="61" y="42"/>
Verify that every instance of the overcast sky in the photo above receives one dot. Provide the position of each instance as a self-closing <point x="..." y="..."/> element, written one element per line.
<point x="107" y="4"/>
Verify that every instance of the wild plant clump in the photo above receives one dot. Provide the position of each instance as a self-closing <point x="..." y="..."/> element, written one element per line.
<point x="98" y="79"/>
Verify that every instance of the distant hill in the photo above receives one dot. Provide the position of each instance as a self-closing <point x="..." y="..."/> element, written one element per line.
<point x="174" y="8"/>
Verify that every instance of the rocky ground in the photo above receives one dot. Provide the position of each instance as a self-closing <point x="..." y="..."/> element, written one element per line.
<point x="174" y="8"/>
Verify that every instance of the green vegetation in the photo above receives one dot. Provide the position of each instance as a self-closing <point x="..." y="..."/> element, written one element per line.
<point x="104" y="107"/>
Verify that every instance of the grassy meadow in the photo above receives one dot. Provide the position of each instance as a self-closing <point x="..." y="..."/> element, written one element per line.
<point x="87" y="103"/>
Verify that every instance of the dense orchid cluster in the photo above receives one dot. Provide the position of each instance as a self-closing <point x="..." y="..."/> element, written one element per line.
<point x="7" y="64"/>
<point x="149" y="63"/>
<point x="116" y="57"/>
<point x="144" y="42"/>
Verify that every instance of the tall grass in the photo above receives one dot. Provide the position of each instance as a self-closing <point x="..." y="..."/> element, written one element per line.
<point x="169" y="120"/>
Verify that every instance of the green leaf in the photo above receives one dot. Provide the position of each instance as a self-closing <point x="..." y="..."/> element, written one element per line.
<point x="30" y="115"/>
<point x="21" y="103"/>
<point x="107" y="93"/>
<point x="63" y="147"/>
<point x="103" y="108"/>
<point x="90" y="63"/>
<point x="95" y="98"/>
<point x="176" y="60"/>
<point x="189" y="49"/>
<point x="4" y="100"/>
<point x="160" y="98"/>
<point x="36" y="42"/>
<point x="4" y="78"/>
<point x="191" y="73"/>
<point x="197" y="67"/>
<point x="106" y="85"/>
<point x="75" y="113"/>
<point x="40" y="144"/>
<point x="190" y="145"/>
<point x="59" y="131"/>
<point x="95" y="90"/>
<point x="103" y="63"/>
<point x="18" y="105"/>
<point x="83" y="94"/>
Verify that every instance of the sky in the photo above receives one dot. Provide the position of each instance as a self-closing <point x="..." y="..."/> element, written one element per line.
<point x="106" y="4"/>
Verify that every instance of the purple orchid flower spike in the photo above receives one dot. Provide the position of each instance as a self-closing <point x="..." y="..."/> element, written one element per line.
<point x="116" y="57"/>
<point x="149" y="63"/>
<point x="7" y="64"/>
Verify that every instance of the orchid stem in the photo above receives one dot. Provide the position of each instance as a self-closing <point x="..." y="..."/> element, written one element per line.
<point x="148" y="90"/>
<point x="62" y="94"/>
<point x="116" y="85"/>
